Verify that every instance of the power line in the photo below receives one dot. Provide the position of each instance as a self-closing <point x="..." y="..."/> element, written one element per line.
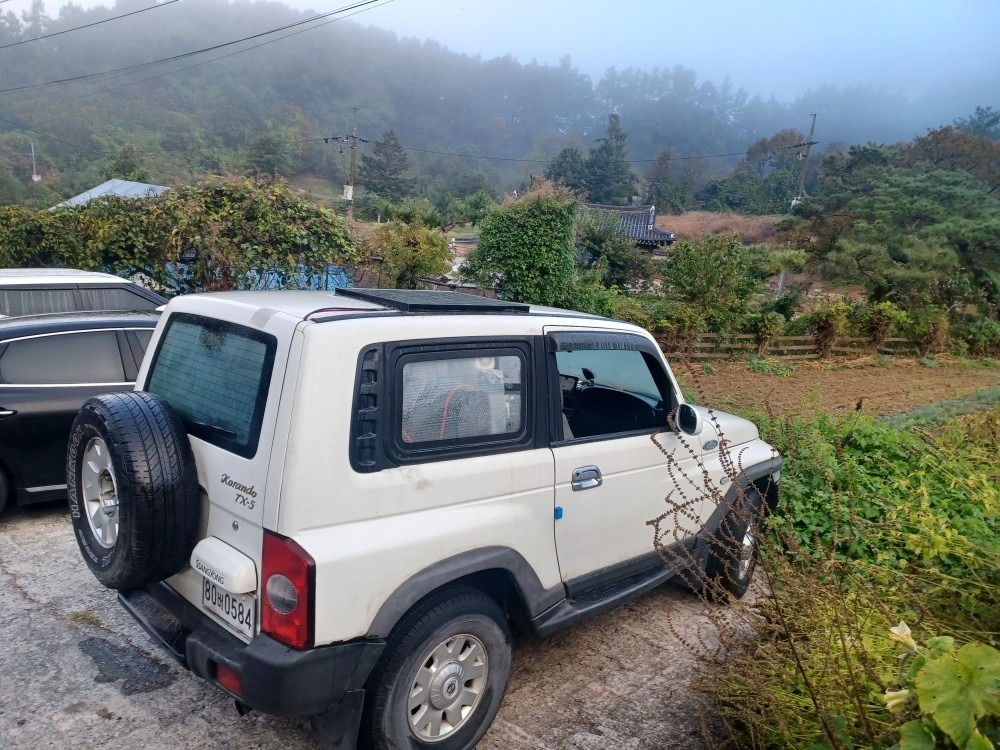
<point x="22" y="126"/>
<point x="87" y="25"/>
<point x="94" y="92"/>
<point x="184" y="55"/>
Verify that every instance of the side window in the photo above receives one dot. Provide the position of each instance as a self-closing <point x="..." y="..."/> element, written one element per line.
<point x="21" y="301"/>
<point x="87" y="357"/>
<point x="115" y="298"/>
<point x="460" y="401"/>
<point x="611" y="391"/>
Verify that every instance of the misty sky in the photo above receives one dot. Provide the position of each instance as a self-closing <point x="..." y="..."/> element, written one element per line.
<point x="767" y="47"/>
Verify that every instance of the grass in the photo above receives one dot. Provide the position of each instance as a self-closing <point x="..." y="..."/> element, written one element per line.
<point x="764" y="366"/>
<point x="696" y="225"/>
<point x="86" y="617"/>
<point x="945" y="410"/>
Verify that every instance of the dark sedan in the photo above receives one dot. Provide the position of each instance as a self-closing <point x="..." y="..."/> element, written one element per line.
<point x="50" y="365"/>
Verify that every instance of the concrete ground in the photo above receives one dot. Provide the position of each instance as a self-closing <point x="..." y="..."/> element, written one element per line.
<point x="77" y="672"/>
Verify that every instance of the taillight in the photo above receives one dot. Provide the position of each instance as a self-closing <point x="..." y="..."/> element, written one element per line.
<point x="288" y="591"/>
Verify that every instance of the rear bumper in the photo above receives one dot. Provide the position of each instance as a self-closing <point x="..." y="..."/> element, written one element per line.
<point x="274" y="678"/>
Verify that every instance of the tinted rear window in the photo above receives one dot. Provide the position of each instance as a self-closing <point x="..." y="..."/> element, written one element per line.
<point x="215" y="375"/>
<point x="37" y="301"/>
<point x="116" y="298"/>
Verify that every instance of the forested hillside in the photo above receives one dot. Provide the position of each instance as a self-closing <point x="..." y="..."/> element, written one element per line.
<point x="267" y="110"/>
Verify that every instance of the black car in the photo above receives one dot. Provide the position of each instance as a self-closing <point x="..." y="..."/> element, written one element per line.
<point x="49" y="365"/>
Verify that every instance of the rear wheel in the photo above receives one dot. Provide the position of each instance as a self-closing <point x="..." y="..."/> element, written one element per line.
<point x="442" y="677"/>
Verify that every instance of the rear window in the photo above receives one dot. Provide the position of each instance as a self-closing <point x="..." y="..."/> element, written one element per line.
<point x="26" y="301"/>
<point x="116" y="298"/>
<point x="215" y="376"/>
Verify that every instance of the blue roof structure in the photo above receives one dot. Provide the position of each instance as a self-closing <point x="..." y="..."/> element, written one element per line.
<point x="117" y="188"/>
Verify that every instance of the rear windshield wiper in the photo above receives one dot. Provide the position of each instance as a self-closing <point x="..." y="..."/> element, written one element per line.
<point x="214" y="429"/>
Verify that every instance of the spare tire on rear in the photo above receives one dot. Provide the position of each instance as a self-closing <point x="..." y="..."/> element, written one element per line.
<point x="133" y="489"/>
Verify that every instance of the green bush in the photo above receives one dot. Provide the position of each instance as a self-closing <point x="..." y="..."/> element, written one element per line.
<point x="875" y="524"/>
<point x="828" y="323"/>
<point x="764" y="326"/>
<point x="982" y="337"/>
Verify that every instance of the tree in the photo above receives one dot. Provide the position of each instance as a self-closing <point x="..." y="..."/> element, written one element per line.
<point x="410" y="253"/>
<point x="984" y="122"/>
<point x="384" y="170"/>
<point x="525" y="248"/>
<point x="569" y="169"/>
<point x="766" y="155"/>
<point x="603" y="245"/>
<point x="609" y="179"/>
<point x="127" y="166"/>
<point x="667" y="190"/>
<point x="717" y="276"/>
<point x="270" y="155"/>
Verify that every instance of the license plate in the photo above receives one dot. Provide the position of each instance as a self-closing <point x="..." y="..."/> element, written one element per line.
<point x="239" y="610"/>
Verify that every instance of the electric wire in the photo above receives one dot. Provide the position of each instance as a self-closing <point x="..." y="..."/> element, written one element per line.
<point x="88" y="25"/>
<point x="94" y="92"/>
<point x="174" y="58"/>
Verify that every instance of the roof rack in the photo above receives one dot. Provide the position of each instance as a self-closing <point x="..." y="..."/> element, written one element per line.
<point x="430" y="301"/>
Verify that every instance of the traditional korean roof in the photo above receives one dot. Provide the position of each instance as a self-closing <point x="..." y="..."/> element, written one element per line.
<point x="638" y="222"/>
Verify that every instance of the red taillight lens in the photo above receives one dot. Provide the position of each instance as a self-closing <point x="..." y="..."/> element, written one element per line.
<point x="229" y="680"/>
<point x="287" y="591"/>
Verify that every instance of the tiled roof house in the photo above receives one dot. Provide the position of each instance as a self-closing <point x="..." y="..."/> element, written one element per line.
<point x="638" y="222"/>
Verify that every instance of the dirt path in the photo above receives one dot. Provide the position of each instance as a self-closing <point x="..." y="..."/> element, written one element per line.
<point x="837" y="385"/>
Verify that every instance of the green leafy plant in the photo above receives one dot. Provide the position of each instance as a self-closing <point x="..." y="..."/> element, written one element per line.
<point x="955" y="694"/>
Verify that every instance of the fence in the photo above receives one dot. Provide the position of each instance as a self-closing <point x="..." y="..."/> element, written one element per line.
<point x="726" y="346"/>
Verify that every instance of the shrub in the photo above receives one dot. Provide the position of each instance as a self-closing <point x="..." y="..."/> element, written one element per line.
<point x="878" y="321"/>
<point x="982" y="337"/>
<point x="929" y="330"/>
<point x="875" y="525"/>
<point x="827" y="324"/>
<point x="764" y="326"/>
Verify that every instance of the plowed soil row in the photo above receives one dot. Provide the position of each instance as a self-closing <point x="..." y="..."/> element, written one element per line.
<point x="835" y="385"/>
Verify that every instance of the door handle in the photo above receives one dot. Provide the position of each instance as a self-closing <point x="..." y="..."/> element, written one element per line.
<point x="586" y="477"/>
<point x="7" y="412"/>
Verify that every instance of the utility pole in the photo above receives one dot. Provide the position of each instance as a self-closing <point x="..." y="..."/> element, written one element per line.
<point x="353" y="139"/>
<point x="804" y="157"/>
<point x="35" y="177"/>
<point x="797" y="200"/>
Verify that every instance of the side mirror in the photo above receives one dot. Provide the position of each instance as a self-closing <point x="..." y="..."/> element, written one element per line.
<point x="688" y="419"/>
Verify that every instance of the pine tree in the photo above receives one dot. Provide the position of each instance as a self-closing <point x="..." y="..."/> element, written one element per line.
<point x="382" y="172"/>
<point x="609" y="179"/>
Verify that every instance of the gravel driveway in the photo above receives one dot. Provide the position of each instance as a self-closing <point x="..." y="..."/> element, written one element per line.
<point x="77" y="672"/>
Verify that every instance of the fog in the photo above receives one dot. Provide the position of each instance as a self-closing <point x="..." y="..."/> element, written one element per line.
<point x="778" y="47"/>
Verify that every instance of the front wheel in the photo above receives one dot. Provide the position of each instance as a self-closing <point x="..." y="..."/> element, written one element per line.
<point x="733" y="554"/>
<point x="442" y="677"/>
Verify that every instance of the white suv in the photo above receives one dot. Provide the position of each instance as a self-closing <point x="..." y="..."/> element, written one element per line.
<point x="339" y="505"/>
<point x="34" y="291"/>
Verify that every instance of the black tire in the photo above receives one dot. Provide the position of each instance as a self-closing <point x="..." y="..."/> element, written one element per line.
<point x="4" y="489"/>
<point x="466" y="619"/>
<point x="731" y="560"/>
<point x="133" y="489"/>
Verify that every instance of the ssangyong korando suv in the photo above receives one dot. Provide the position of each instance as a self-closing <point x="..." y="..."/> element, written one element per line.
<point x="339" y="505"/>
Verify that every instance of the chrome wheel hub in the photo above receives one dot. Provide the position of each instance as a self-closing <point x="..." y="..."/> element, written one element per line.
<point x="100" y="493"/>
<point x="746" y="554"/>
<point x="447" y="688"/>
